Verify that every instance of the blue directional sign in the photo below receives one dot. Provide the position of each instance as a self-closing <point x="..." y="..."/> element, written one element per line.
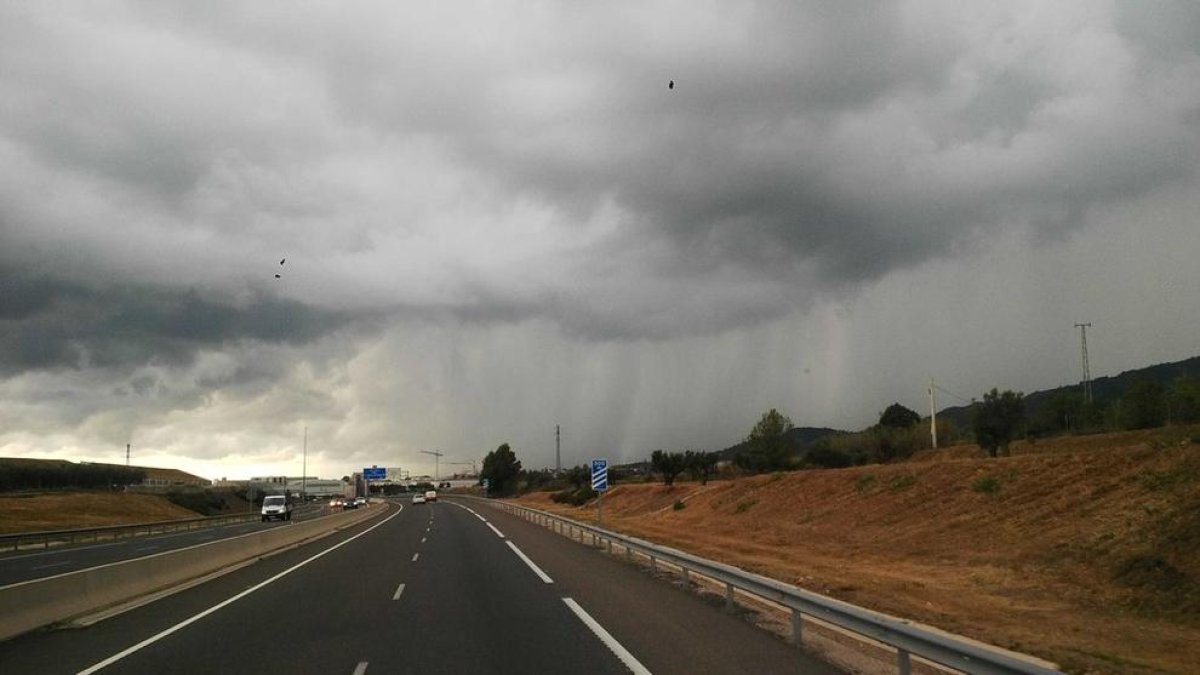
<point x="375" y="473"/>
<point x="599" y="475"/>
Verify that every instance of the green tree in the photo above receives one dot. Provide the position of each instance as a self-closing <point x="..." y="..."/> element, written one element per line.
<point x="898" y="417"/>
<point x="701" y="465"/>
<point x="669" y="464"/>
<point x="1144" y="405"/>
<point x="501" y="469"/>
<point x="768" y="447"/>
<point x="997" y="418"/>
<point x="1183" y="400"/>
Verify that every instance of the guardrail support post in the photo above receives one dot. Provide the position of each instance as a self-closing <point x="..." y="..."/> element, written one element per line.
<point x="903" y="662"/>
<point x="797" y="627"/>
<point x="728" y="596"/>
<point x="687" y="578"/>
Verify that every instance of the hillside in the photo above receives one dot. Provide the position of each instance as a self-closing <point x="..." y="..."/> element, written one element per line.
<point x="1086" y="552"/>
<point x="1104" y="389"/>
<point x="76" y="509"/>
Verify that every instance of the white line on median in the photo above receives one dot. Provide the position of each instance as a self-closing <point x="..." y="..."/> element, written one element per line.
<point x="498" y="532"/>
<point x="536" y="570"/>
<point x="398" y="592"/>
<point x="187" y="622"/>
<point x="609" y="641"/>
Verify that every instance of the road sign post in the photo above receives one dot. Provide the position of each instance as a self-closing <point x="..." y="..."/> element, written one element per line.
<point x="600" y="484"/>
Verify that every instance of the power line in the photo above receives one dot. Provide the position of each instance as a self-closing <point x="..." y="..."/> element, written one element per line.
<point x="964" y="399"/>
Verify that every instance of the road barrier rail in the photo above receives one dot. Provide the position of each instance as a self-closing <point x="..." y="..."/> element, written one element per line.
<point x="45" y="539"/>
<point x="907" y="638"/>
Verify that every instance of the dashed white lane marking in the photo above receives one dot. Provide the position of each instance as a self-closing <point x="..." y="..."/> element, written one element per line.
<point x="609" y="641"/>
<point x="189" y="621"/>
<point x="536" y="570"/>
<point x="423" y="539"/>
<point x="145" y="548"/>
<point x="360" y="668"/>
<point x="399" y="590"/>
<point x="415" y="556"/>
<point x="498" y="532"/>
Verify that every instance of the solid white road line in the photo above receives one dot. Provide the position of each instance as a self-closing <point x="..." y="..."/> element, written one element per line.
<point x="536" y="570"/>
<point x="498" y="532"/>
<point x="189" y="621"/>
<point x="360" y="668"/>
<point x="609" y="641"/>
<point x="398" y="592"/>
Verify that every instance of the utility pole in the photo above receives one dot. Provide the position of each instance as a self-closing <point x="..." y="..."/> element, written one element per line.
<point x="1087" y="375"/>
<point x="304" y="469"/>
<point x="126" y="455"/>
<point x="557" y="450"/>
<point x="932" y="413"/>
<point x="436" y="455"/>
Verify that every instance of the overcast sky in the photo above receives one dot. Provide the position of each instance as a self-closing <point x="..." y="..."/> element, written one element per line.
<point x="497" y="217"/>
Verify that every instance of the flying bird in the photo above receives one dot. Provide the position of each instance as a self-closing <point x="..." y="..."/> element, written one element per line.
<point x="283" y="261"/>
<point x="277" y="276"/>
<point x="671" y="84"/>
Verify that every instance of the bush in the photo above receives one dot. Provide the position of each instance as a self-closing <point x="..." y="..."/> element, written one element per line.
<point x="745" y="505"/>
<point x="901" y="482"/>
<point x="679" y="505"/>
<point x="864" y="482"/>
<point x="987" y="485"/>
<point x="576" y="497"/>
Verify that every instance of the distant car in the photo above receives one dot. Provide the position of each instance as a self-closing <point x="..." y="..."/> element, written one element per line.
<point x="335" y="503"/>
<point x="276" y="506"/>
<point x="360" y="501"/>
<point x="431" y="495"/>
<point x="349" y="504"/>
<point x="418" y="499"/>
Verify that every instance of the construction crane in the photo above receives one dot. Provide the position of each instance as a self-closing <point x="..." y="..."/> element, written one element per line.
<point x="436" y="456"/>
<point x="470" y="463"/>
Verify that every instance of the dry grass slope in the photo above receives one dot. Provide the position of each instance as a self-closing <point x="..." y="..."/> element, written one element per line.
<point x="1084" y="551"/>
<point x="69" y="510"/>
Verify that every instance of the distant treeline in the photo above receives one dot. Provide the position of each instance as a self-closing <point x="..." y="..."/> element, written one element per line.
<point x="21" y="475"/>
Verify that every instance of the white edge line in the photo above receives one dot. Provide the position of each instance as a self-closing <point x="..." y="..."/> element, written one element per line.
<point x="536" y="570"/>
<point x="398" y="592"/>
<point x="609" y="641"/>
<point x="498" y="532"/>
<point x="187" y="622"/>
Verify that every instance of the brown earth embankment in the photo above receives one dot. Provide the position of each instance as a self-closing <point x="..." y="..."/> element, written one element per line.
<point x="1084" y="551"/>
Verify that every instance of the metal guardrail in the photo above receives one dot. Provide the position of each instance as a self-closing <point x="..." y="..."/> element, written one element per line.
<point x="45" y="539"/>
<point x="907" y="639"/>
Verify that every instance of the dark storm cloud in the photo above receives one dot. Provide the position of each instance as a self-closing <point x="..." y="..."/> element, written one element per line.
<point x="53" y="325"/>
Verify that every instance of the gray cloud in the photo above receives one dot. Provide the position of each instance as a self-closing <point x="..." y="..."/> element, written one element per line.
<point x="463" y="193"/>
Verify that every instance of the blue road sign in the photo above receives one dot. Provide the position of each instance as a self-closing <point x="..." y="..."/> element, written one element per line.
<point x="375" y="473"/>
<point x="599" y="475"/>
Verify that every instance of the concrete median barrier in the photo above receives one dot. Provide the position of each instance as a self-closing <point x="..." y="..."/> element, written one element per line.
<point x="29" y="605"/>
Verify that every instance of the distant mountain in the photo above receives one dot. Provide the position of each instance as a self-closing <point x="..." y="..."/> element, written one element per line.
<point x="1104" y="389"/>
<point x="803" y="437"/>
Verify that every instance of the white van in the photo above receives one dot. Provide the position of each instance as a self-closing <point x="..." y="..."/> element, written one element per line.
<point x="431" y="495"/>
<point x="276" y="506"/>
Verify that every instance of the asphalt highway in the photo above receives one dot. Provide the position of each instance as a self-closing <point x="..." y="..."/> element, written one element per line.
<point x="436" y="588"/>
<point x="18" y="566"/>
